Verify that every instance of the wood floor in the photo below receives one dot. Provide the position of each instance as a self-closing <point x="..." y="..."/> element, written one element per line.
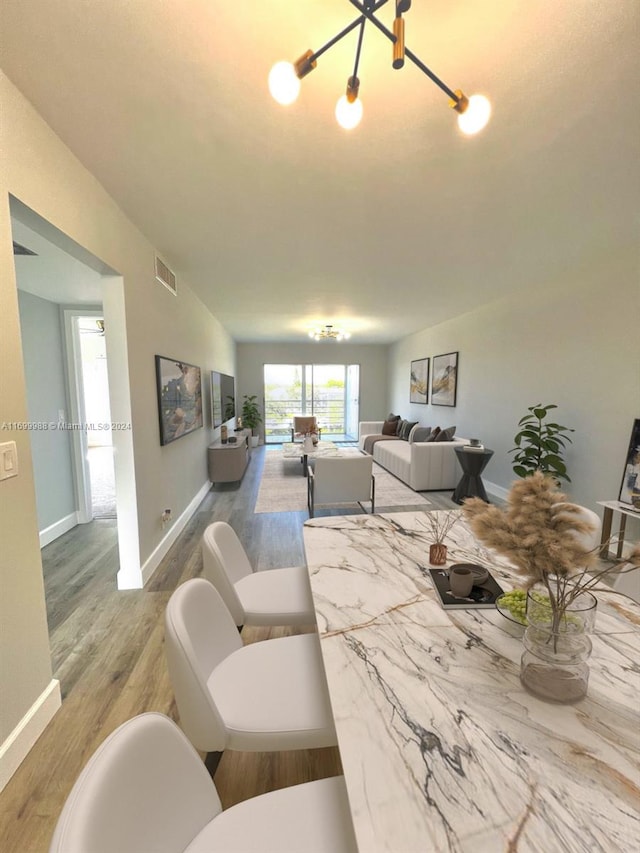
<point x="107" y="651"/>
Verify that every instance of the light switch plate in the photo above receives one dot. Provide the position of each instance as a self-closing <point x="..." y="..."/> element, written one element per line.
<point x="8" y="460"/>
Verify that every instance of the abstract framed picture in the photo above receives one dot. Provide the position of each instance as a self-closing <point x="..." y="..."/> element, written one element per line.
<point x="630" y="486"/>
<point x="444" y="379"/>
<point x="419" y="381"/>
<point x="179" y="398"/>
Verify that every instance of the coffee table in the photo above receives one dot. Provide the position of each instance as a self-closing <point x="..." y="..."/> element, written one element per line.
<point x="295" y="450"/>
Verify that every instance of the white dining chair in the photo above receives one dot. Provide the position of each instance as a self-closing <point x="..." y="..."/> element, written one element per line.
<point x="341" y="479"/>
<point x="588" y="539"/>
<point x="145" y="790"/>
<point x="269" y="597"/>
<point x="265" y="696"/>
<point x="628" y="583"/>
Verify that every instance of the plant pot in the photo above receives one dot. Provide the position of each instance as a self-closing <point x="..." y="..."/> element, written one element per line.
<point x="254" y="440"/>
<point x="554" y="664"/>
<point x="438" y="554"/>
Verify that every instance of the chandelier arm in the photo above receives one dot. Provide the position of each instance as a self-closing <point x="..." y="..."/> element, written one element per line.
<point x="416" y="61"/>
<point x="336" y="39"/>
<point x="432" y="76"/>
<point x="358" y="49"/>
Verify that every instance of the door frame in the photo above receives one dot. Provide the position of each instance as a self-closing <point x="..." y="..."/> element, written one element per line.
<point x="77" y="414"/>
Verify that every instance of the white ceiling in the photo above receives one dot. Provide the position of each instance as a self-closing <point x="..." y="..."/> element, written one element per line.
<point x="279" y="218"/>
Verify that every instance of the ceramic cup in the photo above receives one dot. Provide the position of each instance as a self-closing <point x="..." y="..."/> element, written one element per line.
<point x="460" y="581"/>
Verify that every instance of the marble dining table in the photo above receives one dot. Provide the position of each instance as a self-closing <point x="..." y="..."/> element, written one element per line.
<point x="442" y="747"/>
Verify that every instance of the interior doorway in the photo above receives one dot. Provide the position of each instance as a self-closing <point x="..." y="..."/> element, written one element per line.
<point x="95" y="403"/>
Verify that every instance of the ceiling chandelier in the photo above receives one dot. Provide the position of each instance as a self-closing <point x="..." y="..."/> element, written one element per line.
<point x="284" y="78"/>
<point x="329" y="333"/>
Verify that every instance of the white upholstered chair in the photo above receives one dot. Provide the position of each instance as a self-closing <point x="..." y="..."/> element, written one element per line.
<point x="266" y="696"/>
<point x="628" y="583"/>
<point x="145" y="790"/>
<point x="589" y="540"/>
<point x="303" y="424"/>
<point x="271" y="597"/>
<point x="341" y="479"/>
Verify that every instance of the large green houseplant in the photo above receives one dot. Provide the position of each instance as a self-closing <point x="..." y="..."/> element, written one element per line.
<point x="251" y="416"/>
<point x="540" y="445"/>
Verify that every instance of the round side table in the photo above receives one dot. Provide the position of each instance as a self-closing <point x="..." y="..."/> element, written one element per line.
<point x="473" y="463"/>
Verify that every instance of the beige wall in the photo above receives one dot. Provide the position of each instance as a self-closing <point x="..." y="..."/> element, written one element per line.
<point x="572" y="342"/>
<point x="143" y="319"/>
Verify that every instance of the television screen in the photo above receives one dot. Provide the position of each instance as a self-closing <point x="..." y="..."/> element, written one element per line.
<point x="223" y="398"/>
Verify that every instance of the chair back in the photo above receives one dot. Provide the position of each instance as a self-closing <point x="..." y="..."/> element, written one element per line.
<point x="199" y="634"/>
<point x="224" y="563"/>
<point x="304" y="423"/>
<point x="589" y="540"/>
<point x="145" y="788"/>
<point x="342" y="479"/>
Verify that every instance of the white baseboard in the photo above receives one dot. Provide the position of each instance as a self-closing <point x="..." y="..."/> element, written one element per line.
<point x="152" y="563"/>
<point x="16" y="747"/>
<point x="54" y="530"/>
<point x="494" y="489"/>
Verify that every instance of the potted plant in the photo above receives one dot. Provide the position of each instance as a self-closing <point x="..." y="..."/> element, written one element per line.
<point x="251" y="416"/>
<point x="539" y="445"/>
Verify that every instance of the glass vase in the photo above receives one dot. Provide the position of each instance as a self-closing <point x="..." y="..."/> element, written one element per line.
<point x="554" y="664"/>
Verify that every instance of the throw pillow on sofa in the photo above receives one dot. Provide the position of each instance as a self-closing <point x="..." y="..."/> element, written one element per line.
<point x="390" y="426"/>
<point x="399" y="426"/>
<point x="407" y="426"/>
<point x="419" y="434"/>
<point x="433" y="435"/>
<point x="446" y="434"/>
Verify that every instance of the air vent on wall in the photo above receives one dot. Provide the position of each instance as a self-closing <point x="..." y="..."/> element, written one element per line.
<point x="21" y="250"/>
<point x="165" y="276"/>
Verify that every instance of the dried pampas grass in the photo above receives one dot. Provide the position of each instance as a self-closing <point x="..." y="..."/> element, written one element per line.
<point x="545" y="538"/>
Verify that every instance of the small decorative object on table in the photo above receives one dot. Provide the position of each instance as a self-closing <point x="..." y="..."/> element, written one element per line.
<point x="547" y="541"/>
<point x="440" y="524"/>
<point x="460" y="581"/>
<point x="480" y="595"/>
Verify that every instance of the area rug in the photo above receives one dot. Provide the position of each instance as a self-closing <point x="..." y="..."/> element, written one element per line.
<point x="283" y="488"/>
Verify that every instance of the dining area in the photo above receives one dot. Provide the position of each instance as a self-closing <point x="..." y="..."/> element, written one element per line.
<point x="442" y="747"/>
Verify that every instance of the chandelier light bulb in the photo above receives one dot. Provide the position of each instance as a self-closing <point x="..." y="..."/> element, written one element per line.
<point x="476" y="115"/>
<point x="284" y="84"/>
<point x="348" y="115"/>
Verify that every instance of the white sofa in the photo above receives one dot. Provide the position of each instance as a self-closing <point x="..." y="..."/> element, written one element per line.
<point x="422" y="465"/>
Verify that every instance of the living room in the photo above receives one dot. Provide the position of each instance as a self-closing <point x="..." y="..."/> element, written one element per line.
<point x="542" y="306"/>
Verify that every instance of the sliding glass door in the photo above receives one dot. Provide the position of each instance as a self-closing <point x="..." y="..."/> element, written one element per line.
<point x="328" y="391"/>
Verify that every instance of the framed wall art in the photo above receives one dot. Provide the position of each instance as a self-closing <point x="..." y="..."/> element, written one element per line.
<point x="630" y="486"/>
<point x="444" y="379"/>
<point x="179" y="398"/>
<point x="419" y="381"/>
